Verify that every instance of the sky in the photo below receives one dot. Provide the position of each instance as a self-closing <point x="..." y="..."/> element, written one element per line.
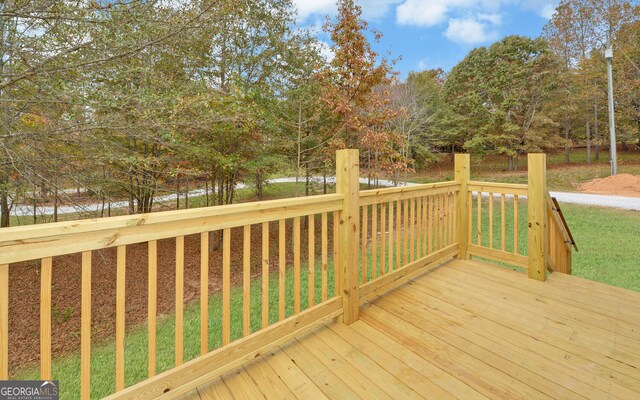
<point x="430" y="34"/>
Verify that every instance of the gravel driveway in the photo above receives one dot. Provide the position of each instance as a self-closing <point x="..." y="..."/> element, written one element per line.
<point x="626" y="203"/>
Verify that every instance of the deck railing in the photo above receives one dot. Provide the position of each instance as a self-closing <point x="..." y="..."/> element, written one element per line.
<point x="379" y="238"/>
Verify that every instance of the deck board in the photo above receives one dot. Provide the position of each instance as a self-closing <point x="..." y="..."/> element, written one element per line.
<point x="466" y="330"/>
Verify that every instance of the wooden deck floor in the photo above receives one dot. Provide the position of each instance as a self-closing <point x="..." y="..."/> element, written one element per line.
<point x="467" y="330"/>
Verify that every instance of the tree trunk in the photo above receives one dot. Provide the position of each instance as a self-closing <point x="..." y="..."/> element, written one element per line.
<point x="324" y="180"/>
<point x="206" y="191"/>
<point x="588" y="127"/>
<point x="177" y="191"/>
<point x="596" y="134"/>
<point x="567" y="158"/>
<point x="307" y="178"/>
<point x="55" y="203"/>
<point x="186" y="193"/>
<point x="5" y="221"/>
<point x="35" y="207"/>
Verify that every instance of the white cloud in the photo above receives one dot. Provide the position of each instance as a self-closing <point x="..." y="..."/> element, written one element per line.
<point x="428" y="12"/>
<point x="470" y="31"/>
<point x="544" y="8"/>
<point x="371" y="9"/>
<point x="424" y="64"/>
<point x="413" y="12"/>
<point x="325" y="51"/>
<point x="548" y="10"/>
<point x="309" y="7"/>
<point x="493" y="19"/>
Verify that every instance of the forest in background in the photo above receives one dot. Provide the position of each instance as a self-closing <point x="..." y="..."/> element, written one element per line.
<point x="131" y="99"/>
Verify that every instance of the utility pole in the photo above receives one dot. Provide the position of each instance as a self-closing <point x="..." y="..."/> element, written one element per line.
<point x="608" y="54"/>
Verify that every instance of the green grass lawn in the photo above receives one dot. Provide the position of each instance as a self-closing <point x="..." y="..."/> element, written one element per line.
<point x="560" y="176"/>
<point x="67" y="369"/>
<point x="606" y="238"/>
<point x="608" y="242"/>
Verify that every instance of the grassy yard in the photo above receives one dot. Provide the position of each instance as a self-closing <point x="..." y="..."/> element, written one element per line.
<point x="67" y="369"/>
<point x="560" y="176"/>
<point x="606" y="238"/>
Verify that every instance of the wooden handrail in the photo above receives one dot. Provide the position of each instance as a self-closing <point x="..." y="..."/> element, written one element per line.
<point x="564" y="223"/>
<point x="377" y="196"/>
<point x="48" y="240"/>
<point x="560" y="241"/>
<point x="558" y="218"/>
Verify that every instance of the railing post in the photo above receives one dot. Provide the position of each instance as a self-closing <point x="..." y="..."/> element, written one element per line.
<point x="537" y="212"/>
<point x="348" y="184"/>
<point x="462" y="174"/>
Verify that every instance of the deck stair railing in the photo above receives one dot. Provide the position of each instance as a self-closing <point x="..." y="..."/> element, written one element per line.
<point x="357" y="245"/>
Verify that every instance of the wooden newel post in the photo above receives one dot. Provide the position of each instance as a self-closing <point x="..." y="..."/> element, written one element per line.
<point x="462" y="175"/>
<point x="537" y="211"/>
<point x="348" y="184"/>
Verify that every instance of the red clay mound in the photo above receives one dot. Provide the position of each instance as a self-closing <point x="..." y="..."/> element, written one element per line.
<point x="621" y="184"/>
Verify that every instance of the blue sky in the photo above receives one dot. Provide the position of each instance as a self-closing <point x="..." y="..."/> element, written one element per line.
<point x="437" y="33"/>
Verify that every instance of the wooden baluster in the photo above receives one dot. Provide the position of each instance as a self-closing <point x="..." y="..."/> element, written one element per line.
<point x="479" y="219"/>
<point x="398" y="238"/>
<point x="412" y="229"/>
<point x="121" y="267"/>
<point x="437" y="210"/>
<point x="454" y="223"/>
<point x="282" y="265"/>
<point x="312" y="262"/>
<point x="204" y="293"/>
<point x="443" y="220"/>
<point x="452" y="217"/>
<point x="391" y="238"/>
<point x="325" y="233"/>
<point x="226" y="286"/>
<point x="152" y="289"/>
<point x="365" y="232"/>
<point x="431" y="230"/>
<point x="336" y="249"/>
<point x="45" y="318"/>
<point x="419" y="221"/>
<point x="246" y="281"/>
<point x="374" y="240"/>
<point x="515" y="224"/>
<point x="470" y="216"/>
<point x="383" y="236"/>
<point x="405" y="234"/>
<point x="449" y="218"/>
<point x="296" y="265"/>
<point x="85" y="328"/>
<point x="503" y="224"/>
<point x="179" y="338"/>
<point x="490" y="220"/>
<point x="425" y="229"/>
<point x="4" y="321"/>
<point x="265" y="274"/>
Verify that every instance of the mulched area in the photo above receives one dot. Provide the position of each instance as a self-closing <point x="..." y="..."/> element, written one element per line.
<point x="24" y="289"/>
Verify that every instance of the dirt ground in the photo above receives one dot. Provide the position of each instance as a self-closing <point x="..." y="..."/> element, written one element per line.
<point x="24" y="289"/>
<point x="621" y="185"/>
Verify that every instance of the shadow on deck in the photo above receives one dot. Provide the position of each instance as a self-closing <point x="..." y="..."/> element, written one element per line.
<point x="465" y="330"/>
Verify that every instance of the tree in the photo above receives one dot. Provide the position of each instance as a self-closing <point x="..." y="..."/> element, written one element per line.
<point x="349" y="86"/>
<point x="499" y="93"/>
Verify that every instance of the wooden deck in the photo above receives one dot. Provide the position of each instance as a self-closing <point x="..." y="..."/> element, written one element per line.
<point x="466" y="330"/>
